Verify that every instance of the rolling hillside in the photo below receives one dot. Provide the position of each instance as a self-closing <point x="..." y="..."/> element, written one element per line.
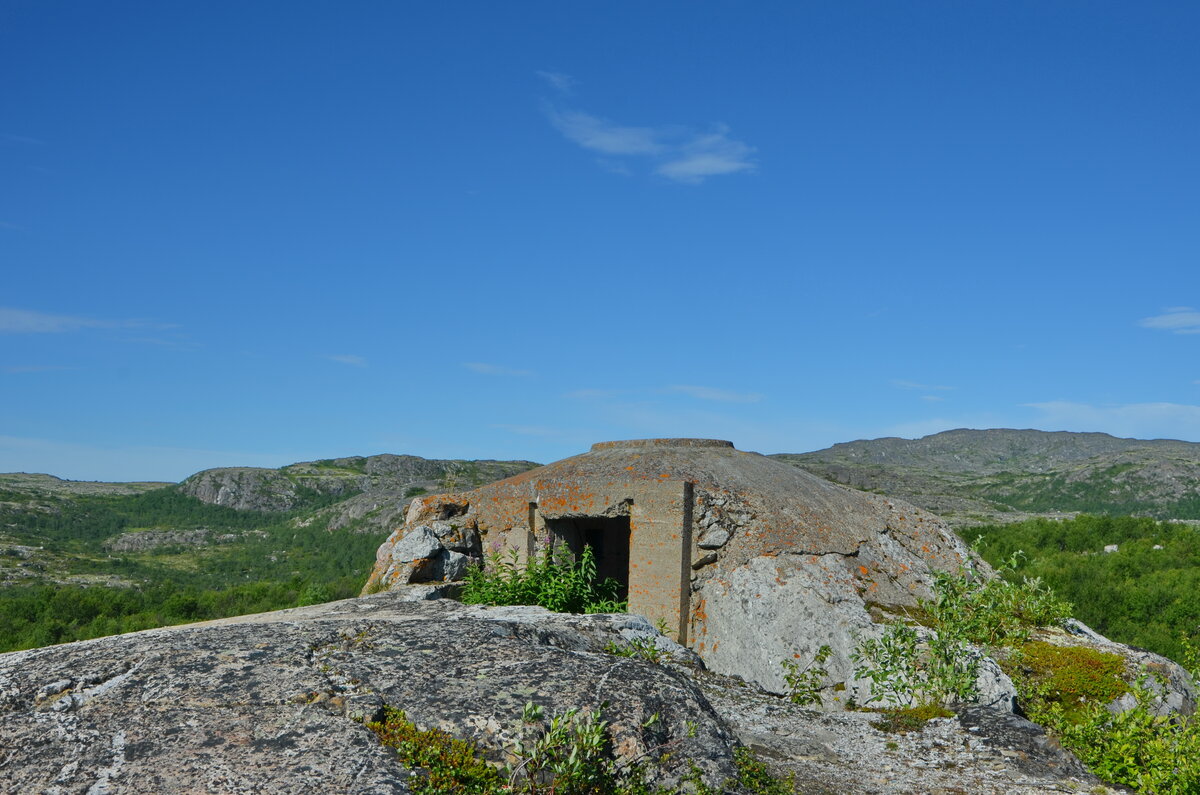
<point x="1001" y="474"/>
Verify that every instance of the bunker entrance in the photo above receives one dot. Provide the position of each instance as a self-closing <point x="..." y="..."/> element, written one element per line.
<point x="607" y="536"/>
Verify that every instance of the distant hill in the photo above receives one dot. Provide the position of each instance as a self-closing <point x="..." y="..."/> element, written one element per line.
<point x="1002" y="474"/>
<point x="358" y="492"/>
<point x="244" y="521"/>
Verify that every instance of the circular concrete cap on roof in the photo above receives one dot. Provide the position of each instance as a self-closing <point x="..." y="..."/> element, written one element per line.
<point x="661" y="443"/>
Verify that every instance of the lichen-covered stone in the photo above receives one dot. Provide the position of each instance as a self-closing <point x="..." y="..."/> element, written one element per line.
<point x="274" y="702"/>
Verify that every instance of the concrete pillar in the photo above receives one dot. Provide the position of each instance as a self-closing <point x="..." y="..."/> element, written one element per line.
<point x="660" y="544"/>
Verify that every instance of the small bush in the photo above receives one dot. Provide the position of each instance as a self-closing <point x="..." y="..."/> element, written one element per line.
<point x="754" y="776"/>
<point x="640" y="648"/>
<point x="993" y="612"/>
<point x="443" y="764"/>
<point x="806" y="683"/>
<point x="551" y="580"/>
<point x="904" y="673"/>
<point x="1135" y="748"/>
<point x="571" y="754"/>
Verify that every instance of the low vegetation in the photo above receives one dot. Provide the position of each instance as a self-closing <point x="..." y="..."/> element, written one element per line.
<point x="1143" y="594"/>
<point x="1067" y="689"/>
<point x="553" y="580"/>
<point x="66" y="583"/>
<point x="568" y="754"/>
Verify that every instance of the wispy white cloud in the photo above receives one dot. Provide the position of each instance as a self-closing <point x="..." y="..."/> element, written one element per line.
<point x="558" y="81"/>
<point x="35" y="368"/>
<point x="21" y="139"/>
<point x="25" y="321"/>
<point x="604" y="136"/>
<point x="714" y="394"/>
<point x="1176" y="319"/>
<point x="676" y="152"/>
<point x="494" y="369"/>
<point x="899" y="384"/>
<point x="347" y="358"/>
<point x="614" y="166"/>
<point x="1135" y="420"/>
<point x="708" y="155"/>
<point x="528" y="430"/>
<point x="129" y="463"/>
<point x="595" y="394"/>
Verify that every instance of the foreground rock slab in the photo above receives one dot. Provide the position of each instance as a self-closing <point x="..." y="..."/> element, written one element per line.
<point x="981" y="751"/>
<point x="275" y="702"/>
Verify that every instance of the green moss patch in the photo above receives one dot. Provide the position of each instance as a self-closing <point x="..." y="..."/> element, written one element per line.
<point x="1072" y="676"/>
<point x="901" y="720"/>
<point x="441" y="763"/>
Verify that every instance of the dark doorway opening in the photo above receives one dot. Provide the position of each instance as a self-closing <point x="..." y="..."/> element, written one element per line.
<point x="607" y="536"/>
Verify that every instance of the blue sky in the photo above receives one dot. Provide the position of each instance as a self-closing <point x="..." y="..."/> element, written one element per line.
<point x="257" y="233"/>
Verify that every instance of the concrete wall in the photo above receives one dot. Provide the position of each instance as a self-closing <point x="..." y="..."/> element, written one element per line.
<point x="660" y="543"/>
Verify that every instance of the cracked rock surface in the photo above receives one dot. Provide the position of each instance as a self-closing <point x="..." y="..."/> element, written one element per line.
<point x="981" y="751"/>
<point x="274" y="702"/>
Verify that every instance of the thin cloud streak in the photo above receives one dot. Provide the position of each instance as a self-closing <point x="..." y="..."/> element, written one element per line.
<point x="35" y="368"/>
<point x="606" y="137"/>
<point x="528" y="430"/>
<point x="922" y="387"/>
<point x="557" y="80"/>
<point x="347" y="358"/>
<point x="1133" y="420"/>
<point x="26" y="321"/>
<point x="595" y="394"/>
<point x="21" y="139"/>
<point x="678" y="153"/>
<point x="494" y="369"/>
<point x="1176" y="319"/>
<point x="714" y="394"/>
<point x="706" y="156"/>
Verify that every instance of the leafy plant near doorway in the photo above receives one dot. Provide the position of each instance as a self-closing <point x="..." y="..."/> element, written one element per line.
<point x="551" y="579"/>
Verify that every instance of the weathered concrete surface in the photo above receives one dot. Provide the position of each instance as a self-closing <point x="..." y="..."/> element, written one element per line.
<point x="272" y="703"/>
<point x="747" y="559"/>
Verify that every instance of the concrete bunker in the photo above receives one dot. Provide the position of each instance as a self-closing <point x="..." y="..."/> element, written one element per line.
<point x="744" y="558"/>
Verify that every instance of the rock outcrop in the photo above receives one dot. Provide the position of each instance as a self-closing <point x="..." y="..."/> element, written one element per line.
<point x="373" y="487"/>
<point x="275" y="703"/>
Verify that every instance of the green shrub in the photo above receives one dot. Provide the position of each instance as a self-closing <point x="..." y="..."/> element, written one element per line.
<point x="905" y="674"/>
<point x="1143" y="594"/>
<point x="806" y="683"/>
<point x="443" y="764"/>
<point x="1135" y="748"/>
<point x="551" y="580"/>
<point x="995" y="611"/>
<point x="640" y="648"/>
<point x="571" y="754"/>
<point x="754" y="776"/>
